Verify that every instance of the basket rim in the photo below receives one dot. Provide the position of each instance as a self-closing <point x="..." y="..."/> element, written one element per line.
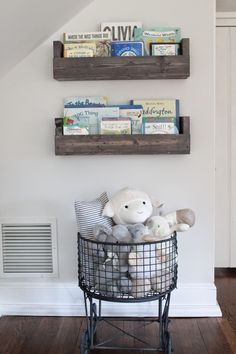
<point x="171" y="238"/>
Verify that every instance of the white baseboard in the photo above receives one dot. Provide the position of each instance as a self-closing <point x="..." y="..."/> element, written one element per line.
<point x="189" y="300"/>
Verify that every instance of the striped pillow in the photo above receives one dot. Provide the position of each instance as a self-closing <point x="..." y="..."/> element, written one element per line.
<point x="89" y="213"/>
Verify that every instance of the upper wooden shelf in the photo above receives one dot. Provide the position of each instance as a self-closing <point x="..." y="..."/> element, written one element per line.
<point x="123" y="144"/>
<point x="121" y="68"/>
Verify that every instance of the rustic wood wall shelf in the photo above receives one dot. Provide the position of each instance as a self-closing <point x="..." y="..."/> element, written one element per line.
<point x="121" y="68"/>
<point x="123" y="144"/>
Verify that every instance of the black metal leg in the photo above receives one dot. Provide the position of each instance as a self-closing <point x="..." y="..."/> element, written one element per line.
<point x="164" y="336"/>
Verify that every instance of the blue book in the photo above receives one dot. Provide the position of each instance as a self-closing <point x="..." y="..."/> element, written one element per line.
<point x="123" y="48"/>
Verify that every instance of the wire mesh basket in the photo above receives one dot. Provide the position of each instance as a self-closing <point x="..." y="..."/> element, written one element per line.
<point x="127" y="272"/>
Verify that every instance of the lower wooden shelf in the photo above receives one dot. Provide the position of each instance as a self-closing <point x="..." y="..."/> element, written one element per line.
<point x="123" y="144"/>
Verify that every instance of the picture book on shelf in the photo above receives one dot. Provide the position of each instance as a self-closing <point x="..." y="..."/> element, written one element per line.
<point x="157" y="35"/>
<point x="126" y="48"/>
<point x="78" y="130"/>
<point x="87" y="101"/>
<point x="90" y="115"/>
<point x="135" y="113"/>
<point x="121" y="31"/>
<point x="160" y="108"/>
<point x="80" y="50"/>
<point x="86" y="36"/>
<point x="115" y="126"/>
<point x="159" y="126"/>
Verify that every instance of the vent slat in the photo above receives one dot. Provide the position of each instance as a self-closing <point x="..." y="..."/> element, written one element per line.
<point x="27" y="248"/>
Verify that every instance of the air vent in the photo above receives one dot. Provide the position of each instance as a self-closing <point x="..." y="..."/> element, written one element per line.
<point x="28" y="248"/>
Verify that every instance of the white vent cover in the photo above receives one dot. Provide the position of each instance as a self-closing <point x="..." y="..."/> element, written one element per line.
<point x="28" y="248"/>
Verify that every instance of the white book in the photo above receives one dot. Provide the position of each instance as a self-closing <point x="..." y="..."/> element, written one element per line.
<point x="121" y="31"/>
<point x="86" y="36"/>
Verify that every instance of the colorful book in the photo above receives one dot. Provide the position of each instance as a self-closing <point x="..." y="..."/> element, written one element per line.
<point x="89" y="101"/>
<point x="162" y="49"/>
<point x="80" y="50"/>
<point x="86" y="36"/>
<point x="121" y="31"/>
<point x="78" y="130"/>
<point x="126" y="48"/>
<point x="159" y="126"/>
<point x="115" y="126"/>
<point x="157" y="35"/>
<point x="160" y="108"/>
<point x="89" y="115"/>
<point x="135" y="113"/>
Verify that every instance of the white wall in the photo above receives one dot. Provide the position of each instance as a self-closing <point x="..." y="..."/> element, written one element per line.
<point x="25" y="24"/>
<point x="34" y="182"/>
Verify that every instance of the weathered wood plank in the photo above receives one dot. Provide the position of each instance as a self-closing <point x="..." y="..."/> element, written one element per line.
<point x="123" y="144"/>
<point x="121" y="68"/>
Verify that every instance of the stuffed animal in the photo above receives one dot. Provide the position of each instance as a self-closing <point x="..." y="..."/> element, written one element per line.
<point x="137" y="268"/>
<point x="161" y="227"/>
<point x="110" y="237"/>
<point x="110" y="280"/>
<point x="138" y="232"/>
<point x="129" y="206"/>
<point x="140" y="287"/>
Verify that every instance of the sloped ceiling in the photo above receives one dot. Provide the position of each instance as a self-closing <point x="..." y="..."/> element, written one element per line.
<point x="25" y="24"/>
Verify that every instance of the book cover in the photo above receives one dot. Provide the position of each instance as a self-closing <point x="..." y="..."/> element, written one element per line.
<point x="86" y="36"/>
<point x="159" y="126"/>
<point x="157" y="35"/>
<point x="78" y="130"/>
<point x="161" y="49"/>
<point x="87" y="101"/>
<point x="79" y="50"/>
<point x="90" y="115"/>
<point x="126" y="48"/>
<point x="160" y="108"/>
<point x="115" y="126"/>
<point x="135" y="112"/>
<point x="121" y="31"/>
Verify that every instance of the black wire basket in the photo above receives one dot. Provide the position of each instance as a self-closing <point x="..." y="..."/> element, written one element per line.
<point x="127" y="272"/>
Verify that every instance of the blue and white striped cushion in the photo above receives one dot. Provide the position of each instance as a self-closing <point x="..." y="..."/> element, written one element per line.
<point x="89" y="213"/>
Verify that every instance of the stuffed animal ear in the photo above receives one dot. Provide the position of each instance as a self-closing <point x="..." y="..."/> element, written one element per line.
<point x="108" y="210"/>
<point x="155" y="203"/>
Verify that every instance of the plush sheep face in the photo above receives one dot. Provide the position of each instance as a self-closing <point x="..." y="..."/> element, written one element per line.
<point x="129" y="206"/>
<point x="135" y="211"/>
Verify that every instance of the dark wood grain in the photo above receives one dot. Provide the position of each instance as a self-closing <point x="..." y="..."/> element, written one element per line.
<point x="123" y="144"/>
<point x="226" y="279"/>
<point x="121" y="68"/>
<point x="209" y="329"/>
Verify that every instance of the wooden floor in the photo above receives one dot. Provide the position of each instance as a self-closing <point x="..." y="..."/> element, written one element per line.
<point x="61" y="335"/>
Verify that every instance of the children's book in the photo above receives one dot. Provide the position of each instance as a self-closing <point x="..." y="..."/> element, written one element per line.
<point x="164" y="49"/>
<point x="80" y="50"/>
<point x="115" y="126"/>
<point x="121" y="31"/>
<point x="86" y="36"/>
<point x="135" y="113"/>
<point x="125" y="48"/>
<point x="157" y="35"/>
<point x="89" y="115"/>
<point x="160" y="108"/>
<point x="78" y="130"/>
<point x="159" y="126"/>
<point x="88" y="101"/>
